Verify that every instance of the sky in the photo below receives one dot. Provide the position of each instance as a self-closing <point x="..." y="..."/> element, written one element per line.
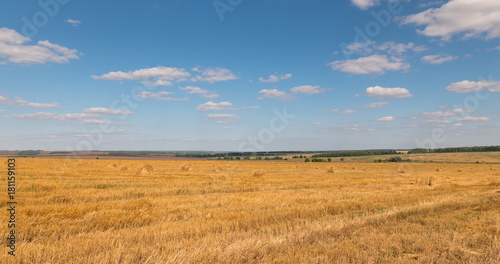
<point x="238" y="75"/>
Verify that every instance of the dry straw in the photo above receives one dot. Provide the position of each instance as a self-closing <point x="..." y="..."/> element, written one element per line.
<point x="331" y="170"/>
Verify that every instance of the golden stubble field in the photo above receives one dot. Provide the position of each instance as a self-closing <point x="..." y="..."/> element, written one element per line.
<point x="136" y="211"/>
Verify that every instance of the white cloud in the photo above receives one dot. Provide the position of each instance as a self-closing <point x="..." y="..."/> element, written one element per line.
<point x="213" y="75"/>
<point x="20" y="102"/>
<point x="494" y="89"/>
<point x="394" y="48"/>
<point x="372" y="64"/>
<point x="474" y="119"/>
<point x="316" y="123"/>
<point x="223" y="118"/>
<point x="12" y="49"/>
<point x="211" y="106"/>
<point x="275" y="78"/>
<point x="437" y="59"/>
<point x="198" y="90"/>
<point x="496" y="48"/>
<point x="467" y="86"/>
<point x="307" y="89"/>
<point x="449" y="113"/>
<point x="273" y="93"/>
<point x="73" y="22"/>
<point x="162" y="76"/>
<point x="382" y="92"/>
<point x="106" y="111"/>
<point x="1" y="110"/>
<point x="365" y="4"/>
<point x="251" y="107"/>
<point x="349" y="112"/>
<point x="390" y="48"/>
<point x="53" y="116"/>
<point x="334" y="110"/>
<point x="436" y="121"/>
<point x="472" y="18"/>
<point x="375" y="105"/>
<point x="98" y="122"/>
<point x="386" y="119"/>
<point x="160" y="96"/>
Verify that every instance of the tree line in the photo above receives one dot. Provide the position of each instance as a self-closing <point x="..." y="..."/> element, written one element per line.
<point x="455" y="149"/>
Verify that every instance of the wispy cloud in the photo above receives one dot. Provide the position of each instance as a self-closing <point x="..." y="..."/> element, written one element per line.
<point x="106" y="111"/>
<point x="223" y="118"/>
<point x="308" y="89"/>
<point x="198" y="90"/>
<point x="53" y="116"/>
<point x="275" y="78"/>
<point x="386" y="119"/>
<point x="437" y="59"/>
<point x="273" y="93"/>
<point x="211" y="106"/>
<point x="375" y="105"/>
<point x="213" y="75"/>
<point x="160" y="96"/>
<point x="73" y="22"/>
<point x="20" y="102"/>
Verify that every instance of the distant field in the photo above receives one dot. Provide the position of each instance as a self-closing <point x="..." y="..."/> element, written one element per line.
<point x="136" y="211"/>
<point x="459" y="157"/>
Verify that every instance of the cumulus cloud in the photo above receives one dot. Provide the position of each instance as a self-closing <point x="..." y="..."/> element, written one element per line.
<point x="374" y="64"/>
<point x="20" y="102"/>
<point x="211" y="106"/>
<point x="273" y="93"/>
<point x="223" y="118"/>
<point x="307" y="89"/>
<point x="198" y="90"/>
<point x="437" y="59"/>
<point x="275" y="78"/>
<point x="381" y="92"/>
<point x="160" y="96"/>
<point x="467" y="86"/>
<point x="375" y="105"/>
<point x="213" y="75"/>
<point x="162" y="76"/>
<point x="14" y="50"/>
<point x="386" y="119"/>
<point x="106" y="111"/>
<point x="470" y="18"/>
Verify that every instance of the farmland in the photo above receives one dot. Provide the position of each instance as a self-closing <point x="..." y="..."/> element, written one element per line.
<point x="201" y="211"/>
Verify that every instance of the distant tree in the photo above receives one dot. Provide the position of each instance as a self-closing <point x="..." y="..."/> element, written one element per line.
<point x="307" y="160"/>
<point x="329" y="159"/>
<point x="238" y="158"/>
<point x="342" y="159"/>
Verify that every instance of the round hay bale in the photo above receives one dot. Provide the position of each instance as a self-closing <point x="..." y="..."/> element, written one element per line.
<point x="331" y="170"/>
<point x="258" y="173"/>
<point x="185" y="167"/>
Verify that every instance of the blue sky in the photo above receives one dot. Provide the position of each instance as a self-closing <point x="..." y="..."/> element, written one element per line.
<point x="236" y="75"/>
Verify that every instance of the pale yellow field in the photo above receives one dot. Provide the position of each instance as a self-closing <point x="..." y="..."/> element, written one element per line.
<point x="111" y="211"/>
